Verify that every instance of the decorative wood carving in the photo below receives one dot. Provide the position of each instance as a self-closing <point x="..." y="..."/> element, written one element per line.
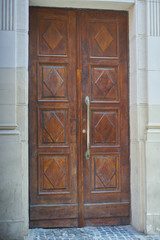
<point x="105" y="127"/>
<point x="104" y="83"/>
<point x="103" y="39"/>
<point x="53" y="173"/>
<point x="53" y="38"/>
<point x="105" y="173"/>
<point x="53" y="84"/>
<point x="54" y="127"/>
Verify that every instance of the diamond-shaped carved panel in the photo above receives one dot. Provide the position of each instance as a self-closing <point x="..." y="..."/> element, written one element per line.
<point x="104" y="84"/>
<point x="53" y="173"/>
<point x="52" y="38"/>
<point x="103" y="39"/>
<point x="53" y="81"/>
<point x="54" y="127"/>
<point x="105" y="172"/>
<point x="105" y="127"/>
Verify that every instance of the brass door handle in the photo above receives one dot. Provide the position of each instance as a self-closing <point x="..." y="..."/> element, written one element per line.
<point x="87" y="101"/>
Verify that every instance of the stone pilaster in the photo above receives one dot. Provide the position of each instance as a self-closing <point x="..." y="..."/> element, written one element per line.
<point x="14" y="119"/>
<point x="152" y="210"/>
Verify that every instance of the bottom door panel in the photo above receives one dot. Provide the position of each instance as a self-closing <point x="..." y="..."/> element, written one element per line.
<point x="60" y="215"/>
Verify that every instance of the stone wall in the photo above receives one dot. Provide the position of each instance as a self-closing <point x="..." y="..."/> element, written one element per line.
<point x="152" y="148"/>
<point x="13" y="119"/>
<point x="138" y="111"/>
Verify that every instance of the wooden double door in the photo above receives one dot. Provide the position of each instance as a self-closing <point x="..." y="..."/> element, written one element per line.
<point x="79" y="147"/>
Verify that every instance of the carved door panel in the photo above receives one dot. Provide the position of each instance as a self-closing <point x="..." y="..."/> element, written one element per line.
<point x="105" y="81"/>
<point x="74" y="54"/>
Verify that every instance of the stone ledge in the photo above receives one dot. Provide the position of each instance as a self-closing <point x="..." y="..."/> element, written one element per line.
<point x="92" y="4"/>
<point x="8" y="126"/>
<point x="9" y="132"/>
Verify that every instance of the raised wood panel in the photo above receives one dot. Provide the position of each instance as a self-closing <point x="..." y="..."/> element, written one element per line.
<point x="105" y="127"/>
<point x="103" y="39"/>
<point x="53" y="127"/>
<point x="105" y="172"/>
<point x="54" y="223"/>
<point x="53" y="212"/>
<point x="104" y="83"/>
<point x="109" y="221"/>
<point x="107" y="210"/>
<point x="53" y="173"/>
<point x="53" y="82"/>
<point x="52" y="37"/>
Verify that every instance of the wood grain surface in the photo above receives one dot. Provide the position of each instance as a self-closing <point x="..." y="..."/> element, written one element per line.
<point x="74" y="54"/>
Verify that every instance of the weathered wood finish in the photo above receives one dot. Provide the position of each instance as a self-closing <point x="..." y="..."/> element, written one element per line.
<point x="105" y="81"/>
<point x="74" y="54"/>
<point x="53" y="113"/>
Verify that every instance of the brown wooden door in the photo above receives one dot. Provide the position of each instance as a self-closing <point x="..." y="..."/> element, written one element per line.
<point x="105" y="81"/>
<point x="74" y="54"/>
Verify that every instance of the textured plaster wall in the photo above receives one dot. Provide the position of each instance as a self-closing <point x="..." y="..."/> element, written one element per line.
<point x="145" y="114"/>
<point x="152" y="213"/>
<point x="13" y="119"/>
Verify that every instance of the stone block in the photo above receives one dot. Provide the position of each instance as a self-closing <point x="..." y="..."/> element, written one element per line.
<point x="11" y="181"/>
<point x="7" y="86"/>
<point x="132" y="22"/>
<point x="141" y="17"/>
<point x="153" y="173"/>
<point x="153" y="224"/>
<point x="133" y="64"/>
<point x="142" y="87"/>
<point x="22" y="86"/>
<point x="7" y="49"/>
<point x="154" y="87"/>
<point x="22" y="16"/>
<point x="154" y="53"/>
<point x="142" y="120"/>
<point x="141" y="53"/>
<point x="133" y="88"/>
<point x="11" y="231"/>
<point x="154" y="115"/>
<point x="25" y="186"/>
<point x="22" y="121"/>
<point x="133" y="122"/>
<point x="22" y="49"/>
<point x="8" y="114"/>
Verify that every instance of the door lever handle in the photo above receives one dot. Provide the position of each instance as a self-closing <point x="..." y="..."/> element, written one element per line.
<point x="87" y="101"/>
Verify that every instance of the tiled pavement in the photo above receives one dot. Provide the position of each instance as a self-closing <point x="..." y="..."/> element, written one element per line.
<point x="89" y="233"/>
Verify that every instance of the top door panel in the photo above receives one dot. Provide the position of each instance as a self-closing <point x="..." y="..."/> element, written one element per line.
<point x="103" y="39"/>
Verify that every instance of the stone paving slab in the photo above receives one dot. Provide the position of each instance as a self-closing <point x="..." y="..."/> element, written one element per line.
<point x="89" y="233"/>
